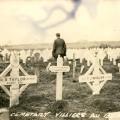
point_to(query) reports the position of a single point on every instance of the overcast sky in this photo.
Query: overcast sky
(23, 22)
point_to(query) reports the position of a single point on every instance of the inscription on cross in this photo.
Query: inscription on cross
(95, 77)
(59, 69)
(14, 80)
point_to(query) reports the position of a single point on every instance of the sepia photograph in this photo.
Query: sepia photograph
(59, 59)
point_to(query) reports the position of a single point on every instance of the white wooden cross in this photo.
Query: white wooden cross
(59, 69)
(14, 80)
(101, 55)
(114, 61)
(95, 77)
(74, 65)
(119, 67)
(87, 57)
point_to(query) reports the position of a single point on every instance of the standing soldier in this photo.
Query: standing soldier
(59, 47)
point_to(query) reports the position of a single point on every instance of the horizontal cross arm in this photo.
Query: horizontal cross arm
(20, 80)
(59, 68)
(91, 78)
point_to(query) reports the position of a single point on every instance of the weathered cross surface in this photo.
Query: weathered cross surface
(14, 80)
(59, 69)
(95, 77)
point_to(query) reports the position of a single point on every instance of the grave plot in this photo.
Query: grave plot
(78, 97)
(14, 80)
(95, 77)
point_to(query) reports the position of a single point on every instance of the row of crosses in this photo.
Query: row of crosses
(95, 77)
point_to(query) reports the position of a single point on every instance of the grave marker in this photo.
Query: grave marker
(14, 80)
(23, 55)
(37, 62)
(114, 61)
(101, 56)
(74, 65)
(59, 69)
(119, 67)
(95, 77)
(88, 62)
(14, 88)
(82, 68)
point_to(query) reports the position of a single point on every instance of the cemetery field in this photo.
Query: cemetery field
(77, 97)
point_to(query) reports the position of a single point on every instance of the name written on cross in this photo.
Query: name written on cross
(19, 80)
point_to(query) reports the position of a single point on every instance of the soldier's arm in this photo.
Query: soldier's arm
(54, 47)
(65, 47)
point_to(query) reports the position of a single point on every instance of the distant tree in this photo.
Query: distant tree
(104, 46)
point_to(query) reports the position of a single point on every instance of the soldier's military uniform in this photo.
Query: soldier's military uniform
(59, 48)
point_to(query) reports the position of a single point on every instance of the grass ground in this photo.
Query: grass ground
(77, 97)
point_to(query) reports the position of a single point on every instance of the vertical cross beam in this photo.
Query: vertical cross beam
(96, 66)
(101, 62)
(96, 84)
(119, 67)
(74, 65)
(14, 89)
(88, 62)
(59, 79)
(114, 61)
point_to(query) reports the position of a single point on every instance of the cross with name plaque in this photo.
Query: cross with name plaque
(14, 80)
(59, 69)
(95, 77)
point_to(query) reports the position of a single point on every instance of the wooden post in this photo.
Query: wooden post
(96, 66)
(82, 68)
(114, 61)
(88, 63)
(111, 59)
(81, 60)
(101, 62)
(31, 52)
(74, 65)
(59, 80)
(96, 72)
(14, 88)
(119, 67)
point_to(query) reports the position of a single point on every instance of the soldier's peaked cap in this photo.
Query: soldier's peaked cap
(57, 34)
